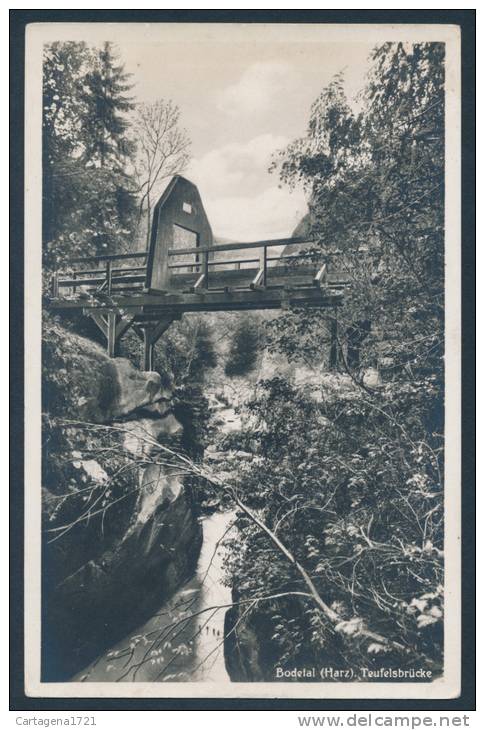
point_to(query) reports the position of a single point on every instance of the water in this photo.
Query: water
(184, 640)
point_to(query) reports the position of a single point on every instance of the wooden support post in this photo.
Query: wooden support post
(99, 320)
(321, 277)
(256, 282)
(334, 342)
(123, 326)
(112, 321)
(199, 285)
(148, 348)
(259, 281)
(263, 264)
(109, 276)
(162, 326)
(205, 269)
(113, 327)
(139, 332)
(151, 335)
(55, 284)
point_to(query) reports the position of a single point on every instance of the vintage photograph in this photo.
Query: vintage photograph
(240, 256)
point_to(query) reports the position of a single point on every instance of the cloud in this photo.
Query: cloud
(236, 167)
(274, 213)
(243, 201)
(253, 93)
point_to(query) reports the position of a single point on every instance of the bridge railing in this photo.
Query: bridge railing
(108, 276)
(263, 261)
(102, 278)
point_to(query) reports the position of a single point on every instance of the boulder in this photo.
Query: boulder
(240, 455)
(169, 426)
(159, 486)
(134, 389)
(371, 378)
(161, 407)
(215, 456)
(82, 381)
(245, 647)
(107, 576)
(120, 536)
(142, 436)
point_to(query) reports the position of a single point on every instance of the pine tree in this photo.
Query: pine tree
(63, 109)
(244, 347)
(88, 197)
(205, 355)
(105, 128)
(108, 150)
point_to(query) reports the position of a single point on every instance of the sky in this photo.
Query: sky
(242, 97)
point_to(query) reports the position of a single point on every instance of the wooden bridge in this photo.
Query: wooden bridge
(183, 271)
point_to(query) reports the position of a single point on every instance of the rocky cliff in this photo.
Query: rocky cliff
(120, 531)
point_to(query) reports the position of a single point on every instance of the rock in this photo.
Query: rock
(231, 420)
(240, 455)
(159, 486)
(214, 403)
(216, 456)
(92, 469)
(245, 660)
(160, 408)
(372, 378)
(142, 436)
(170, 426)
(80, 379)
(134, 389)
(99, 587)
(119, 537)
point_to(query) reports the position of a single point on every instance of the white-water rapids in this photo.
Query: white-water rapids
(184, 640)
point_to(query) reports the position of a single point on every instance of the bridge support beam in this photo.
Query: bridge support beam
(151, 335)
(148, 351)
(112, 317)
(113, 327)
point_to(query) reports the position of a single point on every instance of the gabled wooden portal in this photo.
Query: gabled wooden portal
(148, 290)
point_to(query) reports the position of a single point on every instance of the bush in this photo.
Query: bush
(204, 355)
(353, 484)
(244, 347)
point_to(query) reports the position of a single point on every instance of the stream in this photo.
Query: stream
(184, 640)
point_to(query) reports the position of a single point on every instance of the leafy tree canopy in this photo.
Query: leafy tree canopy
(351, 480)
(88, 196)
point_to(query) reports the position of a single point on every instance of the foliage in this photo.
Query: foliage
(88, 197)
(162, 151)
(67, 371)
(187, 351)
(358, 501)
(106, 124)
(352, 480)
(90, 491)
(244, 347)
(205, 355)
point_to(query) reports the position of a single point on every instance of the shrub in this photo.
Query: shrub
(243, 352)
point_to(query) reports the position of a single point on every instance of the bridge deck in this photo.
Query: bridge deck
(115, 291)
(201, 284)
